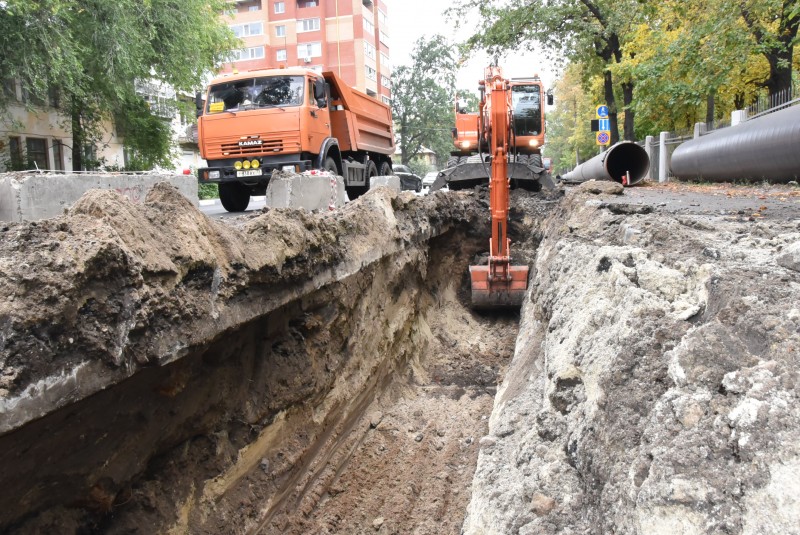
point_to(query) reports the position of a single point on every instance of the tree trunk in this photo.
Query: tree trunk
(780, 71)
(710, 109)
(627, 100)
(77, 136)
(608, 91)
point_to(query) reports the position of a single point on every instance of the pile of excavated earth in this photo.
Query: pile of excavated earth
(294, 372)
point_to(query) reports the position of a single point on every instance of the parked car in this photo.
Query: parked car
(408, 180)
(429, 179)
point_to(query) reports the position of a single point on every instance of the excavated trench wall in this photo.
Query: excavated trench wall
(154, 360)
(654, 388)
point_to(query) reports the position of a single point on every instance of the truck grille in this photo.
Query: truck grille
(276, 144)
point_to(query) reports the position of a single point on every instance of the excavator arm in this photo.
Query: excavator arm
(498, 284)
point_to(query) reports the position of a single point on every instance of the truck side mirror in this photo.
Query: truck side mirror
(549, 98)
(319, 93)
(198, 103)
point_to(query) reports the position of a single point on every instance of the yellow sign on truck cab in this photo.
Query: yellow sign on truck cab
(216, 107)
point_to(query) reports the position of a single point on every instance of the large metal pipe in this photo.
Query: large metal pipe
(625, 160)
(765, 148)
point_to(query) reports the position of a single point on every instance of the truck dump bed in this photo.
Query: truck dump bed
(359, 121)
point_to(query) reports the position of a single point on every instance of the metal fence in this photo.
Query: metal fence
(769, 103)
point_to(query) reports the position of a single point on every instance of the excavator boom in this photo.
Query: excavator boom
(498, 284)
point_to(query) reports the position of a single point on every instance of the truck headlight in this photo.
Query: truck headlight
(255, 164)
(246, 164)
(465, 144)
(237, 165)
(533, 142)
(213, 174)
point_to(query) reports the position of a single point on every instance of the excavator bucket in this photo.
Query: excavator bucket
(490, 294)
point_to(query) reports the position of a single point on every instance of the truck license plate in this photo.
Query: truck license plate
(249, 172)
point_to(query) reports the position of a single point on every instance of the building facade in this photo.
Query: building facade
(348, 37)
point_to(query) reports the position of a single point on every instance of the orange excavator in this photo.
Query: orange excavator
(498, 284)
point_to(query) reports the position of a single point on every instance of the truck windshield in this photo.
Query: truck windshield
(526, 103)
(255, 93)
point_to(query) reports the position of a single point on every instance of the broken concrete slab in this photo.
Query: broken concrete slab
(31, 196)
(318, 191)
(392, 182)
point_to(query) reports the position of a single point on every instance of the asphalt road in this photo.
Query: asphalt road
(213, 208)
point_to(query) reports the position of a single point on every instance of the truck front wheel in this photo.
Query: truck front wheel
(234, 196)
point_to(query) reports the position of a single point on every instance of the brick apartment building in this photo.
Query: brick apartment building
(348, 37)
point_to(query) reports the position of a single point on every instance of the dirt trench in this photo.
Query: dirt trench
(355, 406)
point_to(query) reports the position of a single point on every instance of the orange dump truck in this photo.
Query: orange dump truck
(295, 119)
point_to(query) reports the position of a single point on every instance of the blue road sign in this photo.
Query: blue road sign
(604, 124)
(602, 111)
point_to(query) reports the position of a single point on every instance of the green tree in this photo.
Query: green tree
(570, 140)
(589, 32)
(423, 99)
(93, 51)
(773, 25)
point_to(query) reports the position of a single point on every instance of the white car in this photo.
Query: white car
(429, 179)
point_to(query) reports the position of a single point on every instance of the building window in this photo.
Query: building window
(307, 25)
(309, 3)
(309, 50)
(371, 73)
(89, 157)
(254, 52)
(280, 55)
(37, 153)
(368, 26)
(384, 38)
(382, 18)
(244, 6)
(10, 89)
(386, 82)
(280, 7)
(367, 3)
(371, 93)
(32, 98)
(15, 156)
(58, 155)
(246, 30)
(386, 63)
(280, 30)
(369, 50)
(386, 100)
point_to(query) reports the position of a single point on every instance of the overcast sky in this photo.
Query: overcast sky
(411, 19)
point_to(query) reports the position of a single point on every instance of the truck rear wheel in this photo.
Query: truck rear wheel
(355, 192)
(330, 165)
(386, 169)
(234, 196)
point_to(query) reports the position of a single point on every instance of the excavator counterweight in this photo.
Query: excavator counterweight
(498, 284)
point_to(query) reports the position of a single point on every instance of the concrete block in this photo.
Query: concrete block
(391, 181)
(33, 196)
(320, 191)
